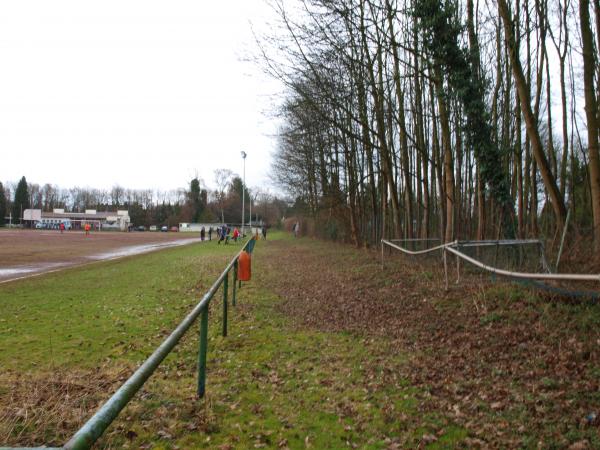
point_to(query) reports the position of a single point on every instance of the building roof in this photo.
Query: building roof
(80, 216)
(38, 214)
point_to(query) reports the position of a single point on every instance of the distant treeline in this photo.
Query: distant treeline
(147, 207)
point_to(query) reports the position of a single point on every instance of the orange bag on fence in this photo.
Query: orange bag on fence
(244, 263)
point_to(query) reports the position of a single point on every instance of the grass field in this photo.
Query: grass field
(325, 350)
(67, 340)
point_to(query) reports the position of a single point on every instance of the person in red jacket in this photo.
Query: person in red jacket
(236, 235)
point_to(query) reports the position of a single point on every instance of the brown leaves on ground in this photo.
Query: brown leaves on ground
(512, 367)
(45, 408)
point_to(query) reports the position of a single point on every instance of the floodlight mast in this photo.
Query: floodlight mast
(243, 192)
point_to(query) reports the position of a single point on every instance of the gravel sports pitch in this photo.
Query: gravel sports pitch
(26, 253)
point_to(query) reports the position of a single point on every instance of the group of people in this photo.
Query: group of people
(87, 228)
(223, 233)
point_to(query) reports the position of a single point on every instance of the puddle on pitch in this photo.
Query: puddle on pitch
(17, 272)
(24, 270)
(145, 248)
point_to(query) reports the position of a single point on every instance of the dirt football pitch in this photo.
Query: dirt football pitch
(27, 252)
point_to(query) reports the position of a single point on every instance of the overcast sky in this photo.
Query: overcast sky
(144, 94)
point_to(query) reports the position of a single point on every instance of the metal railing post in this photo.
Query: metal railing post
(457, 269)
(225, 289)
(445, 268)
(202, 352)
(234, 290)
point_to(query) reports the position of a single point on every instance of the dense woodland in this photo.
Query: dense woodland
(147, 207)
(457, 119)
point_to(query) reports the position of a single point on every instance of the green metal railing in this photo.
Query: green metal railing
(89, 433)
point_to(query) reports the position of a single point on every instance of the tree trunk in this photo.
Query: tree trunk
(447, 146)
(421, 148)
(408, 194)
(591, 113)
(558, 204)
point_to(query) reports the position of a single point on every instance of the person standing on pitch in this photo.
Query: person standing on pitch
(202, 234)
(222, 233)
(210, 233)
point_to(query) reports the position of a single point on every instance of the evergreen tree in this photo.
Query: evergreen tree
(21, 201)
(2, 205)
(237, 189)
(197, 200)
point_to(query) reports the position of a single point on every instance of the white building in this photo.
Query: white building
(196, 227)
(108, 220)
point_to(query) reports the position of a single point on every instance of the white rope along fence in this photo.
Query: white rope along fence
(455, 246)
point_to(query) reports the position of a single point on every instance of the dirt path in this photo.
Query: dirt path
(513, 367)
(29, 253)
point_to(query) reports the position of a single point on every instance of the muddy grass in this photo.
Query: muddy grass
(514, 367)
